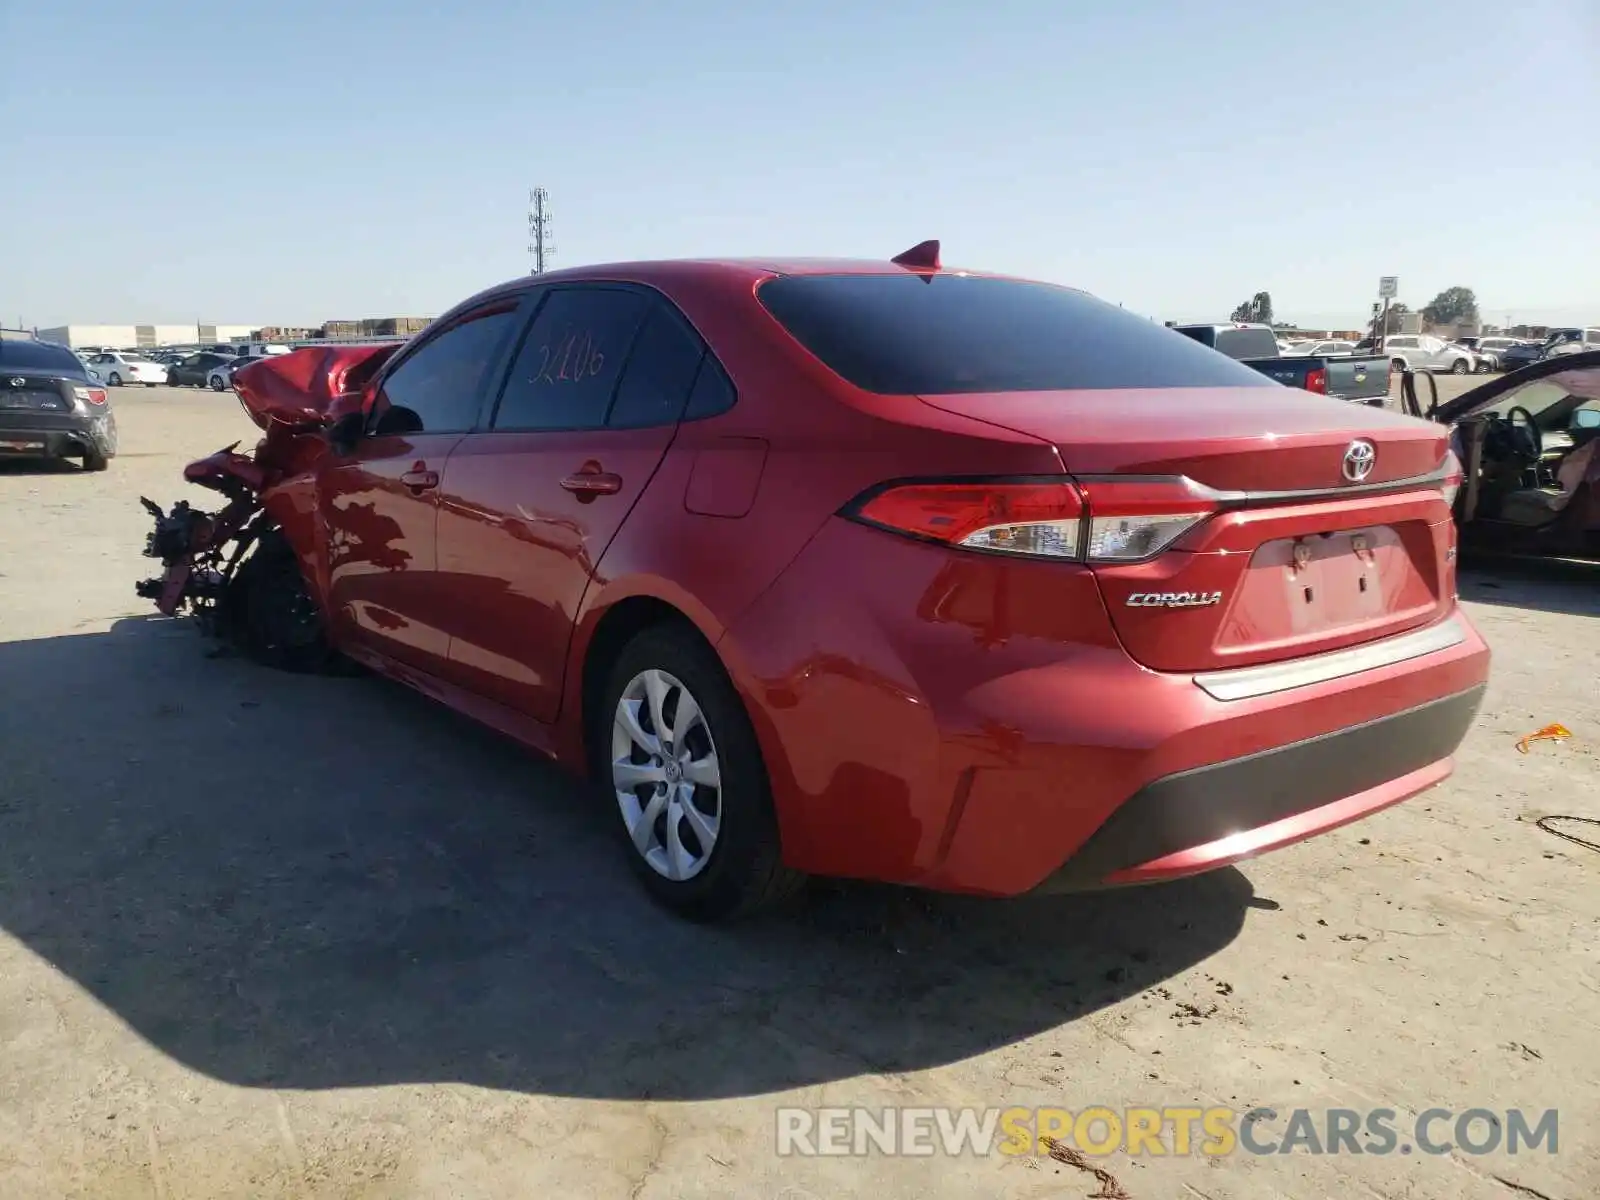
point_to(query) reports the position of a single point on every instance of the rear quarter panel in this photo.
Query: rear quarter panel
(824, 443)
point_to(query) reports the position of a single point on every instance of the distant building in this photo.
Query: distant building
(283, 333)
(140, 337)
(375, 327)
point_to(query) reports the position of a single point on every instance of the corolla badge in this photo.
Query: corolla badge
(1173, 599)
(1359, 459)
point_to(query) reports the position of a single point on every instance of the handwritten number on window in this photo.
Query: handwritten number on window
(571, 359)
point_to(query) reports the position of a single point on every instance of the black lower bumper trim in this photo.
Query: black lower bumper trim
(62, 438)
(1203, 805)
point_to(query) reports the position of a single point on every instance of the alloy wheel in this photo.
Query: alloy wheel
(665, 774)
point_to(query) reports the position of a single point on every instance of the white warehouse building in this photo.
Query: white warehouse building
(127, 337)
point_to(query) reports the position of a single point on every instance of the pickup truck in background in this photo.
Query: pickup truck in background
(1363, 378)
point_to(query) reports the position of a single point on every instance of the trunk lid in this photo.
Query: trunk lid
(35, 392)
(1294, 557)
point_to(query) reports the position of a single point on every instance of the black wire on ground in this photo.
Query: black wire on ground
(1543, 823)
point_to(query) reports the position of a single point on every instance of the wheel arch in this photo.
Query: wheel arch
(609, 621)
(618, 614)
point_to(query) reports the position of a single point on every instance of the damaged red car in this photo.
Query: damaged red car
(853, 568)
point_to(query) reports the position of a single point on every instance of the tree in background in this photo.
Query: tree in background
(1453, 306)
(1257, 309)
(1396, 311)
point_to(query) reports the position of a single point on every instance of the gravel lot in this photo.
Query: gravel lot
(271, 936)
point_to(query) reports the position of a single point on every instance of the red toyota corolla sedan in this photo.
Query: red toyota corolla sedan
(885, 570)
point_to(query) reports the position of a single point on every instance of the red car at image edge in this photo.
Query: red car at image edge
(878, 569)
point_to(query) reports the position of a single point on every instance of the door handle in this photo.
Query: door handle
(420, 481)
(593, 483)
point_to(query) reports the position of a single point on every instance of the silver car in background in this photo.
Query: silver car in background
(1424, 352)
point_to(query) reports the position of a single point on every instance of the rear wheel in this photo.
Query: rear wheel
(94, 460)
(1460, 367)
(674, 749)
(216, 383)
(115, 380)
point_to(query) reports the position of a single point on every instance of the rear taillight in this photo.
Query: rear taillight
(89, 395)
(1453, 477)
(1095, 520)
(1013, 517)
(1135, 519)
(1317, 380)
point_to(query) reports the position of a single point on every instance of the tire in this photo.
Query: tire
(1460, 367)
(216, 383)
(150, 385)
(742, 870)
(270, 613)
(94, 460)
(1397, 364)
(114, 380)
(172, 379)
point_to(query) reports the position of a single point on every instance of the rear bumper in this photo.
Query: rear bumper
(35, 434)
(972, 724)
(1225, 812)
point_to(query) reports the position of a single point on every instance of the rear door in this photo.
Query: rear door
(589, 406)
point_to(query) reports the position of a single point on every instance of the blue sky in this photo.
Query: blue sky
(174, 161)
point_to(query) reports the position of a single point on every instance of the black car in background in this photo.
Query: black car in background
(50, 408)
(192, 371)
(1517, 357)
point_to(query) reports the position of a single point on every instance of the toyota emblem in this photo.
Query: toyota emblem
(18, 381)
(1359, 460)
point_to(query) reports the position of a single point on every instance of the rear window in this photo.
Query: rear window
(912, 334)
(1247, 343)
(39, 356)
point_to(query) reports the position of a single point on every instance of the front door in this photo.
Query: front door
(381, 502)
(528, 507)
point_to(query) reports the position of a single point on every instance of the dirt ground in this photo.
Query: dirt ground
(268, 936)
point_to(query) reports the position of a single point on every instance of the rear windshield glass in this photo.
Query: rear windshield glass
(912, 334)
(26, 355)
(1247, 343)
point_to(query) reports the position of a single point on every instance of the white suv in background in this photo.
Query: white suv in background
(117, 368)
(1424, 352)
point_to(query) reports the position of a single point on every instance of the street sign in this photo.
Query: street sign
(1388, 287)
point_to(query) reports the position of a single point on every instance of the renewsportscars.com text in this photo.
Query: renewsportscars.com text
(1174, 1130)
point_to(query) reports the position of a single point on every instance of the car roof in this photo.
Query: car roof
(731, 273)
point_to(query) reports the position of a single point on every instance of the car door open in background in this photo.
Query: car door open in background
(380, 501)
(588, 409)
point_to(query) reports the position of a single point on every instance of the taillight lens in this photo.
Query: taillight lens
(1317, 380)
(1135, 519)
(1097, 520)
(1453, 478)
(1041, 519)
(90, 395)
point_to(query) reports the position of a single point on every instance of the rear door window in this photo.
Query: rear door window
(566, 372)
(948, 334)
(659, 373)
